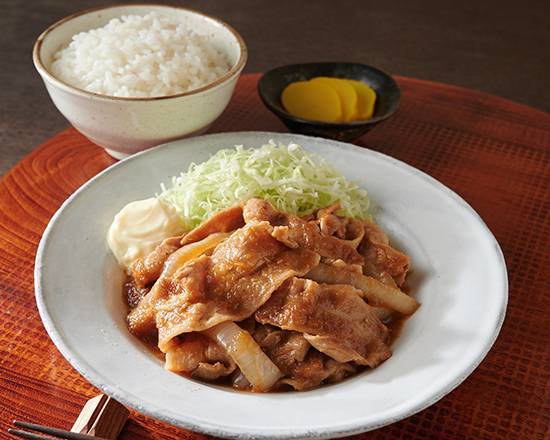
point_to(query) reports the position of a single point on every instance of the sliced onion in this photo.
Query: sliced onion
(259, 370)
(191, 251)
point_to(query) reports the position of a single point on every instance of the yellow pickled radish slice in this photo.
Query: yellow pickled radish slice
(346, 93)
(366, 98)
(309, 100)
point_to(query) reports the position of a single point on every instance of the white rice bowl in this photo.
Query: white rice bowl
(140, 56)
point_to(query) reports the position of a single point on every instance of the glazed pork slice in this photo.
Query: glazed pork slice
(141, 319)
(285, 348)
(295, 232)
(133, 293)
(302, 365)
(198, 356)
(333, 318)
(316, 369)
(226, 220)
(381, 258)
(348, 229)
(230, 285)
(146, 270)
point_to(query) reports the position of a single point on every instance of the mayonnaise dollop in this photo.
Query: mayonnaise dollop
(139, 227)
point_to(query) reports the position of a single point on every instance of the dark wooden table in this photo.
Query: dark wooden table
(497, 46)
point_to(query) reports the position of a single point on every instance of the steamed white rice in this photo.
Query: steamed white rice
(140, 56)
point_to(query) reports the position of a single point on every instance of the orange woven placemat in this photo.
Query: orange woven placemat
(494, 153)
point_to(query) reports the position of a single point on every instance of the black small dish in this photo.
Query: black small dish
(272, 84)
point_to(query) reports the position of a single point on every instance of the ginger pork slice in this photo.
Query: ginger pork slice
(226, 220)
(303, 366)
(295, 232)
(333, 318)
(380, 257)
(198, 356)
(147, 269)
(231, 284)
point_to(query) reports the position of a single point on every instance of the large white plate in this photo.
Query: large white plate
(459, 277)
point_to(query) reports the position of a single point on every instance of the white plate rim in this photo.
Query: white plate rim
(94, 377)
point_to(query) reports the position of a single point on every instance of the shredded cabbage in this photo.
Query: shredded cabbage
(286, 176)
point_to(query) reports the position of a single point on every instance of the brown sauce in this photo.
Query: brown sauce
(395, 326)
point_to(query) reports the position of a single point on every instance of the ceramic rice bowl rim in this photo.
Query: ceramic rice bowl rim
(231, 73)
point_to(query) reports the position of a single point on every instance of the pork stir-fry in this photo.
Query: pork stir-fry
(265, 300)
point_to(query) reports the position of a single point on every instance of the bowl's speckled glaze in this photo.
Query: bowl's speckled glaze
(124, 126)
